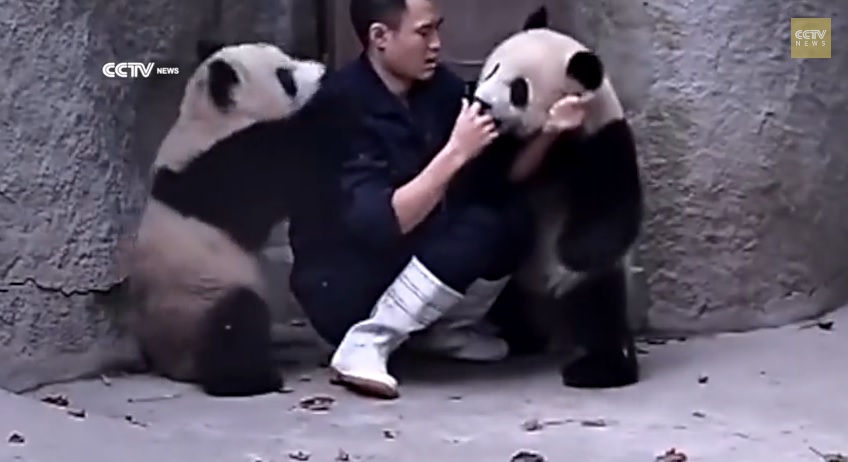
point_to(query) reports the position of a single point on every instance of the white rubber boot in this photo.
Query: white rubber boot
(415, 299)
(462, 333)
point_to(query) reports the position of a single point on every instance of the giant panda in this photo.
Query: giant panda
(587, 200)
(244, 144)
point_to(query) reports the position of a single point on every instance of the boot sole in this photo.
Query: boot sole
(364, 387)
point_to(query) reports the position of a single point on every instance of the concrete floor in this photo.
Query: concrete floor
(765, 396)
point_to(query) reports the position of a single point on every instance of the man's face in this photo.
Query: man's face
(411, 51)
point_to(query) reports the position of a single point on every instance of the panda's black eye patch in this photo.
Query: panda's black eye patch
(519, 92)
(286, 78)
(221, 80)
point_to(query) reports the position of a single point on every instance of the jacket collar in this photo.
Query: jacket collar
(378, 96)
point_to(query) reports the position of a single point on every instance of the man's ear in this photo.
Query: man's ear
(377, 34)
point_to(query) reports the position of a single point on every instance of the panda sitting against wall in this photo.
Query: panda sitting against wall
(587, 198)
(246, 142)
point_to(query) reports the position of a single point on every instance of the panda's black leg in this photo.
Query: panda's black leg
(597, 318)
(235, 352)
(509, 317)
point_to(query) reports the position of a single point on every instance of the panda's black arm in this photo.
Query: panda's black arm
(604, 196)
(486, 178)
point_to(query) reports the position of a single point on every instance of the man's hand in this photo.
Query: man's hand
(472, 132)
(566, 114)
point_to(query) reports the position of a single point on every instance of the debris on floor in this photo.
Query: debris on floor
(532, 425)
(830, 457)
(672, 455)
(300, 455)
(527, 456)
(132, 421)
(594, 423)
(78, 413)
(153, 399)
(823, 325)
(317, 403)
(56, 400)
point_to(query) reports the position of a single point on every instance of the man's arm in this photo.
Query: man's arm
(415, 200)
(375, 210)
(380, 213)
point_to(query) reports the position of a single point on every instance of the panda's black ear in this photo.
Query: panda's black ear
(537, 19)
(205, 48)
(221, 79)
(586, 68)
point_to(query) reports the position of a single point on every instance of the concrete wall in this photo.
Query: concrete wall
(744, 151)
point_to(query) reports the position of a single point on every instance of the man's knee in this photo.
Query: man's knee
(473, 243)
(335, 302)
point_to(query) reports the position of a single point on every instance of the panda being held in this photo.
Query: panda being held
(244, 145)
(587, 200)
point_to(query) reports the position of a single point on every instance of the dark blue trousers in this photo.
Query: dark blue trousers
(458, 245)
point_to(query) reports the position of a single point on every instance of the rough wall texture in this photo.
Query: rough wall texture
(75, 147)
(745, 154)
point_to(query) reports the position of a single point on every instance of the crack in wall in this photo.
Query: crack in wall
(32, 282)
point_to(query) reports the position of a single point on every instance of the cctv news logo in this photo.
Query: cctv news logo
(135, 70)
(811, 38)
(810, 34)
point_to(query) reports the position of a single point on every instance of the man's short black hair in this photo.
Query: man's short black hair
(364, 13)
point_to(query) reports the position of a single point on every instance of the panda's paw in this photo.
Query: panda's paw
(609, 369)
(269, 381)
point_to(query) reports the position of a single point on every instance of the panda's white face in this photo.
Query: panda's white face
(524, 76)
(257, 82)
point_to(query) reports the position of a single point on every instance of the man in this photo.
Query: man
(407, 249)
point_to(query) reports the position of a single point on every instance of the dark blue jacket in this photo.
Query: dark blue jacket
(358, 234)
